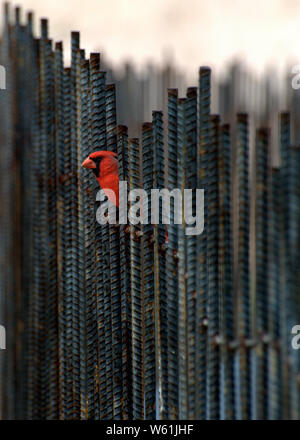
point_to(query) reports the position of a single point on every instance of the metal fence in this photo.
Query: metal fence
(117, 322)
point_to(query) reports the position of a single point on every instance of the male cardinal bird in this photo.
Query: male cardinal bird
(105, 167)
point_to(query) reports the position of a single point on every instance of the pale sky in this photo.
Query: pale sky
(196, 32)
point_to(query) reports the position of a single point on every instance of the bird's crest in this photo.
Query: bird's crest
(102, 154)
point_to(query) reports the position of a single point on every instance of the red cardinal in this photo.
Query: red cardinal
(105, 167)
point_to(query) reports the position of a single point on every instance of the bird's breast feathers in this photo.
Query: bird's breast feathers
(110, 182)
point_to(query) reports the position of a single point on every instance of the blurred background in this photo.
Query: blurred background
(193, 32)
(158, 44)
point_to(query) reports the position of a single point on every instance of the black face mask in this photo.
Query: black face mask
(97, 161)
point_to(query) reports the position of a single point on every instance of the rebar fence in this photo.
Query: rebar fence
(140, 321)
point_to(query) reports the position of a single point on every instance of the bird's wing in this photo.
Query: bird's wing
(110, 182)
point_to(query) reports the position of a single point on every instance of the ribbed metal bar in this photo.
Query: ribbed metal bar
(125, 280)
(74, 268)
(111, 118)
(275, 300)
(51, 328)
(116, 321)
(67, 246)
(136, 290)
(60, 159)
(242, 297)
(261, 249)
(172, 262)
(14, 257)
(32, 328)
(19, 295)
(160, 270)
(7, 155)
(98, 142)
(114, 238)
(41, 397)
(106, 398)
(85, 229)
(294, 217)
(201, 300)
(191, 244)
(182, 306)
(225, 283)
(285, 146)
(51, 358)
(81, 135)
(148, 284)
(160, 237)
(25, 88)
(213, 315)
(93, 321)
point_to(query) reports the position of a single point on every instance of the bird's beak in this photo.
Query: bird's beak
(88, 163)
